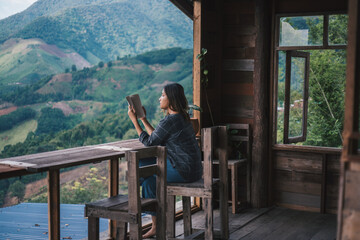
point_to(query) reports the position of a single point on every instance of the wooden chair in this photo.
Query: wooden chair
(214, 139)
(240, 135)
(127, 209)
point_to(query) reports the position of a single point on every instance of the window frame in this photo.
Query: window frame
(277, 49)
(289, 56)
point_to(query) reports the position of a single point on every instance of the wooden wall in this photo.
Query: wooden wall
(306, 179)
(239, 34)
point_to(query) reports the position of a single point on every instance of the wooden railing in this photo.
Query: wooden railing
(52, 162)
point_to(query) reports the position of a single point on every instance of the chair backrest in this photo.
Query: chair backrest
(214, 139)
(134, 174)
(240, 136)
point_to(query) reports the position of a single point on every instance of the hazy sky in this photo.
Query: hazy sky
(10, 7)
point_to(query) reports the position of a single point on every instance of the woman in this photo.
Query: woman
(176, 133)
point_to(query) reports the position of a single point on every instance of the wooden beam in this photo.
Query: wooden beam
(196, 62)
(185, 7)
(54, 204)
(260, 156)
(348, 215)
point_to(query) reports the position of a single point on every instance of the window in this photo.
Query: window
(310, 56)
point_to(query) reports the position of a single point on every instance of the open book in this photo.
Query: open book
(134, 101)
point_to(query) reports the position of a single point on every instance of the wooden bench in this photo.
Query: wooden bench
(127, 209)
(238, 134)
(203, 188)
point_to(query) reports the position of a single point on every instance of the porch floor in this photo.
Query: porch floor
(275, 223)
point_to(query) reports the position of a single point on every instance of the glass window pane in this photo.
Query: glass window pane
(281, 96)
(301, 31)
(338, 29)
(297, 80)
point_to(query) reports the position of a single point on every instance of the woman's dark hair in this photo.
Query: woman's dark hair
(177, 100)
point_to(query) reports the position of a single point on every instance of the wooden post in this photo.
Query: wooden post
(260, 157)
(113, 190)
(349, 207)
(54, 204)
(196, 62)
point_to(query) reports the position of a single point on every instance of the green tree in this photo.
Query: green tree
(17, 189)
(73, 68)
(101, 64)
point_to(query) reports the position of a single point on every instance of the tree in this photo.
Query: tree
(17, 189)
(73, 68)
(101, 64)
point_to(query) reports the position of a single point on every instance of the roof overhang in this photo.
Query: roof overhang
(186, 6)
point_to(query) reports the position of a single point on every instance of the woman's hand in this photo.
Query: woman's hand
(144, 113)
(132, 114)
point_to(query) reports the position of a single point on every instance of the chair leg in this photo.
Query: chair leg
(209, 219)
(93, 228)
(135, 230)
(234, 189)
(187, 216)
(170, 219)
(121, 230)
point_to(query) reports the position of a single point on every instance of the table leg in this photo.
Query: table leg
(54, 204)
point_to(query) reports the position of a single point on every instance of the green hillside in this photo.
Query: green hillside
(109, 83)
(27, 61)
(17, 134)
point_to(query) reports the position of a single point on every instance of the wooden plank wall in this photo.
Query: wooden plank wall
(211, 39)
(306, 180)
(238, 61)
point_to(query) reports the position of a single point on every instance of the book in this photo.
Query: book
(134, 101)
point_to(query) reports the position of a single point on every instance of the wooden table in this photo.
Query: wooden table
(53, 161)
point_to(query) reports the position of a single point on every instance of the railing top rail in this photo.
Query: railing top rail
(68, 157)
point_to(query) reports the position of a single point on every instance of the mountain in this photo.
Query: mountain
(100, 29)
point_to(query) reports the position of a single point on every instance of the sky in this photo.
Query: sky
(10, 7)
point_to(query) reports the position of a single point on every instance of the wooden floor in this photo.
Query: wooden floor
(273, 223)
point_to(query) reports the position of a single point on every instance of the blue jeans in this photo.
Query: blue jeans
(149, 184)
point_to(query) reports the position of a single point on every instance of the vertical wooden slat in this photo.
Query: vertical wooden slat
(234, 187)
(223, 189)
(54, 204)
(134, 193)
(113, 190)
(260, 168)
(161, 194)
(196, 62)
(208, 135)
(326, 31)
(208, 155)
(170, 221)
(323, 183)
(209, 219)
(187, 215)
